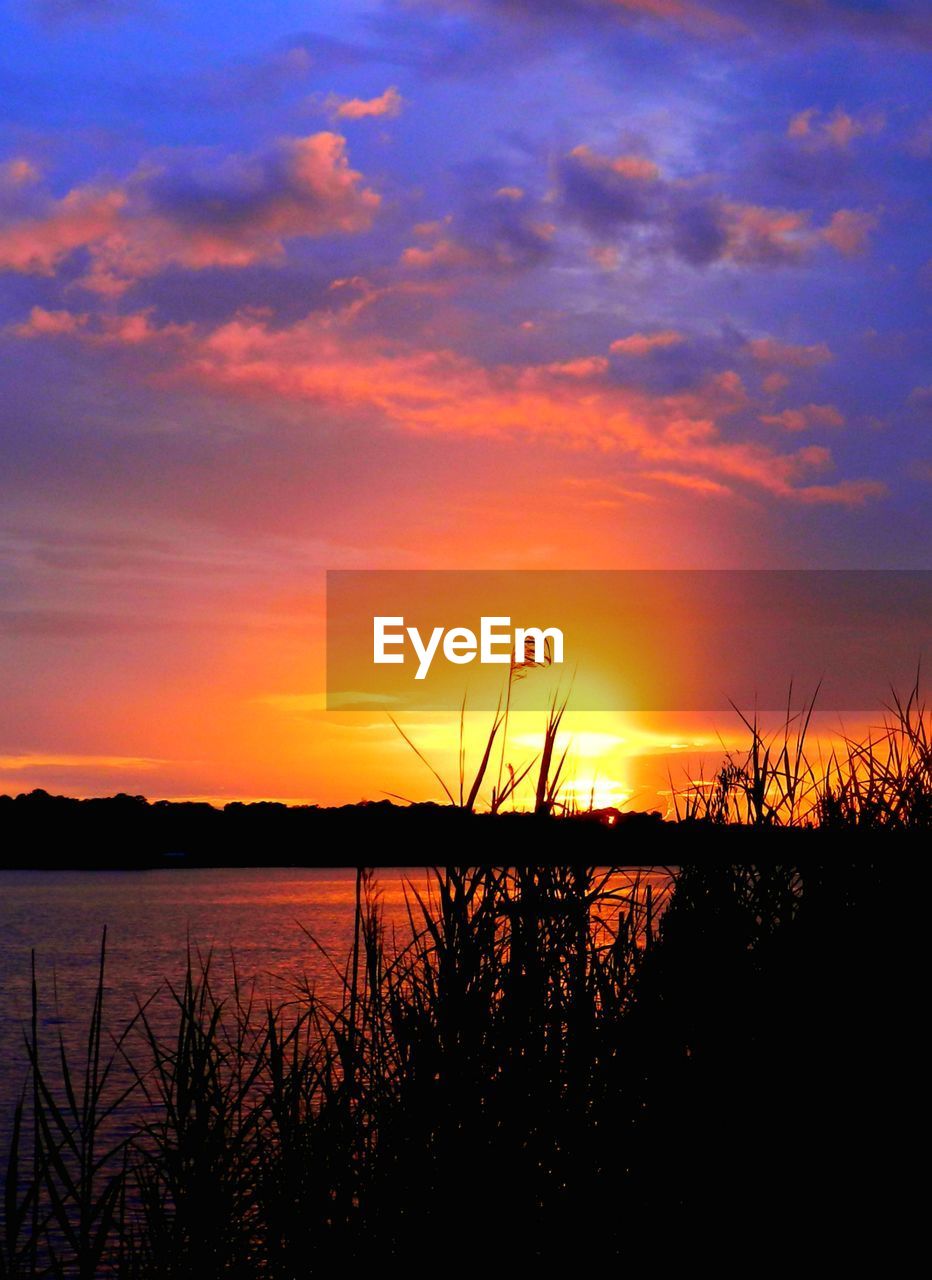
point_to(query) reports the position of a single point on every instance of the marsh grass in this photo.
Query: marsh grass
(549, 772)
(583, 1055)
(880, 782)
(268, 1138)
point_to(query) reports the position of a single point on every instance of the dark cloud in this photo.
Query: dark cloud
(302, 179)
(508, 229)
(908, 21)
(696, 231)
(609, 195)
(603, 197)
(626, 196)
(503, 232)
(905, 21)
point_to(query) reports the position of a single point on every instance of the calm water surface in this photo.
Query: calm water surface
(258, 915)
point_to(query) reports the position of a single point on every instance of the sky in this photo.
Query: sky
(290, 287)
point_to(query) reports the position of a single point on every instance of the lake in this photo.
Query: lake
(258, 915)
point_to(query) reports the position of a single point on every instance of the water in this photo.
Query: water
(255, 914)
(258, 915)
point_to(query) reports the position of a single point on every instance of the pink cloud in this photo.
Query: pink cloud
(584, 367)
(641, 344)
(18, 172)
(444, 254)
(242, 211)
(692, 483)
(49, 324)
(790, 355)
(129, 329)
(837, 131)
(845, 493)
(326, 359)
(628, 196)
(694, 16)
(605, 256)
(37, 244)
(634, 168)
(437, 391)
(810, 415)
(755, 233)
(848, 231)
(388, 104)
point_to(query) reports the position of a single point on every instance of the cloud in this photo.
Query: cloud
(45, 760)
(758, 235)
(632, 168)
(641, 344)
(83, 218)
(387, 104)
(628, 197)
(501, 233)
(129, 329)
(895, 21)
(846, 493)
(848, 231)
(685, 13)
(18, 172)
(602, 195)
(810, 415)
(194, 211)
(688, 15)
(324, 360)
(50, 324)
(582, 368)
(692, 483)
(837, 131)
(789, 355)
(442, 255)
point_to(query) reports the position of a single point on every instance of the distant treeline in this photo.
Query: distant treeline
(125, 831)
(39, 830)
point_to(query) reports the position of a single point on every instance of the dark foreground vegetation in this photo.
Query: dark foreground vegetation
(556, 1064)
(552, 1066)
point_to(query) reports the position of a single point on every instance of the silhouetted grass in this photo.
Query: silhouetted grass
(577, 1055)
(550, 1062)
(883, 782)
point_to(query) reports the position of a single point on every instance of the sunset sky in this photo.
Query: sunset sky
(294, 286)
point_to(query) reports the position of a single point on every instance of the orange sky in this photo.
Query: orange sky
(301, 287)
